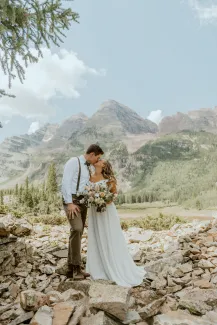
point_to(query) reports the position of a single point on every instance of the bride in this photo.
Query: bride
(107, 253)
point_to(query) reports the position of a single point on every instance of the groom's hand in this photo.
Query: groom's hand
(72, 210)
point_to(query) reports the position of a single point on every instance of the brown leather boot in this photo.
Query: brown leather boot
(79, 273)
(70, 273)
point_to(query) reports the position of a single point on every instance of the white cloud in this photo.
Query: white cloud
(33, 127)
(206, 11)
(56, 75)
(155, 116)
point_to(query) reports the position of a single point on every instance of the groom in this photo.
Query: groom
(75, 177)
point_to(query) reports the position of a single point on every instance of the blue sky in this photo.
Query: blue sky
(148, 54)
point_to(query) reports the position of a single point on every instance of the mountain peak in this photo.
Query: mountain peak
(113, 116)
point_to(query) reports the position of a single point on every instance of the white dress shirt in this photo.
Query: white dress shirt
(70, 178)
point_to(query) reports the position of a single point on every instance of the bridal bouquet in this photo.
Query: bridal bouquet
(99, 195)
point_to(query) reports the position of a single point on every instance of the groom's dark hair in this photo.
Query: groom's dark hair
(95, 148)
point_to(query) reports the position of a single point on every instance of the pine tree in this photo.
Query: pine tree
(139, 199)
(52, 179)
(27, 184)
(24, 23)
(16, 190)
(1, 198)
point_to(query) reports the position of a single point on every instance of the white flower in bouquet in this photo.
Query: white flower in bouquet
(91, 200)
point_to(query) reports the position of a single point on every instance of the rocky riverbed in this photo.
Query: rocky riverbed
(180, 287)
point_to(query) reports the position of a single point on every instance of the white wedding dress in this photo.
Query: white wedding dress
(108, 257)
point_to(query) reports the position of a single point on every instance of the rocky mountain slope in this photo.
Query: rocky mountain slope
(197, 120)
(179, 288)
(31, 154)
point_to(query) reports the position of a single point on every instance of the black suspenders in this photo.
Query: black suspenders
(79, 175)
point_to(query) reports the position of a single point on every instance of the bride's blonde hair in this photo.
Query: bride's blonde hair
(107, 171)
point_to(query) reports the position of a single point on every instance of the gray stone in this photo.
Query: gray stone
(83, 286)
(159, 265)
(132, 317)
(205, 264)
(99, 319)
(72, 294)
(79, 312)
(159, 284)
(151, 309)
(199, 301)
(43, 316)
(195, 307)
(22, 318)
(61, 254)
(62, 313)
(32, 300)
(110, 298)
(179, 318)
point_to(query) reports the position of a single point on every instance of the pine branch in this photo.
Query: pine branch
(25, 24)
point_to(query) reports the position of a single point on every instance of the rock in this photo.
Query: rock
(151, 309)
(83, 286)
(99, 319)
(22, 318)
(79, 312)
(5, 308)
(170, 304)
(174, 289)
(136, 238)
(132, 317)
(63, 253)
(54, 297)
(72, 294)
(170, 282)
(3, 288)
(197, 273)
(17, 227)
(21, 228)
(159, 265)
(14, 290)
(137, 255)
(184, 280)
(205, 264)
(210, 316)
(203, 284)
(62, 312)
(11, 314)
(47, 269)
(148, 296)
(111, 299)
(179, 318)
(33, 300)
(8, 239)
(4, 227)
(195, 307)
(186, 268)
(159, 283)
(199, 301)
(43, 316)
(176, 272)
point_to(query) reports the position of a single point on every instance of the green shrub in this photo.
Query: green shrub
(160, 222)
